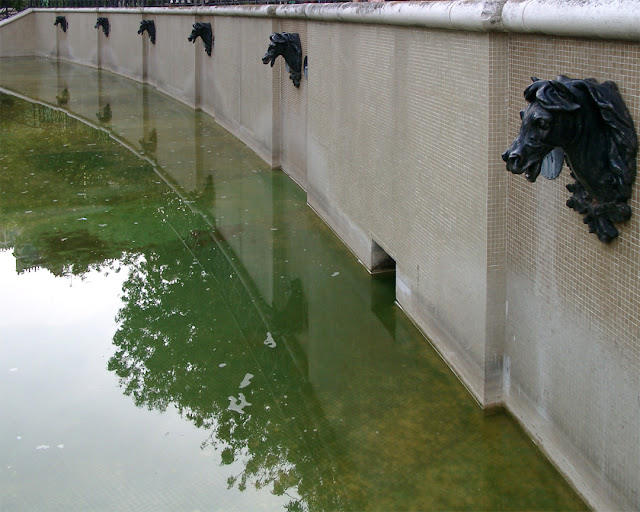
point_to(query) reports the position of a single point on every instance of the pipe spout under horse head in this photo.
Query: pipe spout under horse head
(588, 123)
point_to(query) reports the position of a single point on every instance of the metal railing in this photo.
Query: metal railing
(10, 7)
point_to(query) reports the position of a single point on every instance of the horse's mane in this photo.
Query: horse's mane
(567, 94)
(623, 141)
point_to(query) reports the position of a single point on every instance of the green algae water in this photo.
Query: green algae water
(179, 331)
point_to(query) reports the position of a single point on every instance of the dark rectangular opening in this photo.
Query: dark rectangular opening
(380, 260)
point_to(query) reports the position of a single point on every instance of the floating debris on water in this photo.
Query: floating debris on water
(270, 342)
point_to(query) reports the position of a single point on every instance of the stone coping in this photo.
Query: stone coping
(603, 19)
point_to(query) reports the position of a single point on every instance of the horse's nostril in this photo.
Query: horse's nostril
(513, 159)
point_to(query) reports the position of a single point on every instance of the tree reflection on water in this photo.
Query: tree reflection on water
(182, 342)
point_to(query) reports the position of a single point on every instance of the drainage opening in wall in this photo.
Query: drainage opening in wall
(380, 260)
(383, 287)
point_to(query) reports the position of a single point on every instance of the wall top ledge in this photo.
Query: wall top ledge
(605, 19)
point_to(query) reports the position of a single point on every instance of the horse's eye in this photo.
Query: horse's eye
(543, 124)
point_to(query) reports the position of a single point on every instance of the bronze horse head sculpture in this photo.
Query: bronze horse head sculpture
(588, 125)
(62, 21)
(150, 27)
(104, 23)
(203, 30)
(289, 46)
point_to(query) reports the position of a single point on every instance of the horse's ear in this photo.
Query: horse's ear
(534, 79)
(532, 89)
(559, 97)
(277, 38)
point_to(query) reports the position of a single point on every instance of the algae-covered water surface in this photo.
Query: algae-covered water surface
(179, 331)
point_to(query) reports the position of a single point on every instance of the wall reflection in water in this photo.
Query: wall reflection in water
(242, 310)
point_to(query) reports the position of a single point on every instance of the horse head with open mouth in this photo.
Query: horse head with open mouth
(589, 125)
(202, 30)
(289, 46)
(104, 23)
(62, 21)
(150, 27)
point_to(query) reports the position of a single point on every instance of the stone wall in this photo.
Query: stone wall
(396, 136)
(398, 155)
(573, 323)
(17, 35)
